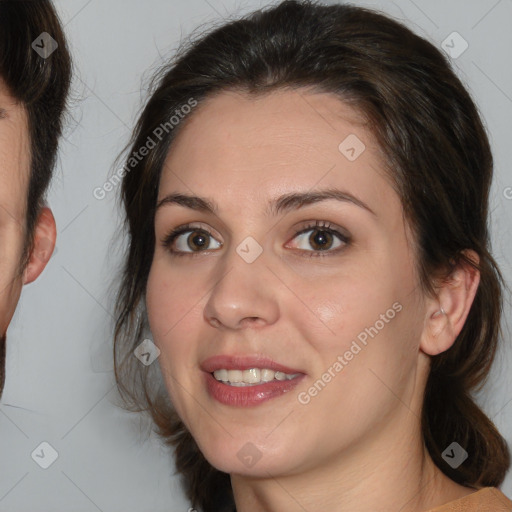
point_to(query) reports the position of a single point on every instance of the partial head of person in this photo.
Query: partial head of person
(35, 69)
(306, 201)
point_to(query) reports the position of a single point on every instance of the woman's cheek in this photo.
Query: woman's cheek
(164, 297)
(329, 312)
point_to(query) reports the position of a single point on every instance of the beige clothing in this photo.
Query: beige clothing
(486, 499)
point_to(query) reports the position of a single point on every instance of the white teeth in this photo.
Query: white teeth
(235, 376)
(221, 374)
(267, 375)
(251, 376)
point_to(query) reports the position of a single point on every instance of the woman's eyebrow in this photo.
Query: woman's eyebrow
(283, 203)
(3, 113)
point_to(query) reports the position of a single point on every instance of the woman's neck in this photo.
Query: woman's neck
(387, 472)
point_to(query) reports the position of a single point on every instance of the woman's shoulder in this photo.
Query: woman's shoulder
(486, 499)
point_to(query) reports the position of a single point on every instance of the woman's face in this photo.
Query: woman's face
(339, 303)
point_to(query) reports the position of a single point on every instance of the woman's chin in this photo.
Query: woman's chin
(247, 459)
(260, 469)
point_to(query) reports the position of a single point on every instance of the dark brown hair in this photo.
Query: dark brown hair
(41, 86)
(437, 156)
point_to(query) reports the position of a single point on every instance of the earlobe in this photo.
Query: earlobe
(447, 314)
(45, 234)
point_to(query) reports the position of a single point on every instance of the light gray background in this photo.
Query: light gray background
(60, 385)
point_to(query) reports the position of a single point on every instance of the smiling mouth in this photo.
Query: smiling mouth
(251, 376)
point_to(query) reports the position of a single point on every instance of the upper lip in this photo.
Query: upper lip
(243, 362)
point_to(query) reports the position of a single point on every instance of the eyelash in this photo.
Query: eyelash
(169, 239)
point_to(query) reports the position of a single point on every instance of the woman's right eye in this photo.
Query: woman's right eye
(197, 238)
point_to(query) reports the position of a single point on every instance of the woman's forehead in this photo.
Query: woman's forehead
(283, 133)
(238, 151)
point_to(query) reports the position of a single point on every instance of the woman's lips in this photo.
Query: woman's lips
(254, 394)
(243, 362)
(248, 396)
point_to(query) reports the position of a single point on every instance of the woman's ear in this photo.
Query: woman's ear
(45, 234)
(446, 314)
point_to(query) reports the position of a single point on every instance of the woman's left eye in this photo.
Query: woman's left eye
(322, 239)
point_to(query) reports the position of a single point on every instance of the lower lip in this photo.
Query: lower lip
(247, 396)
